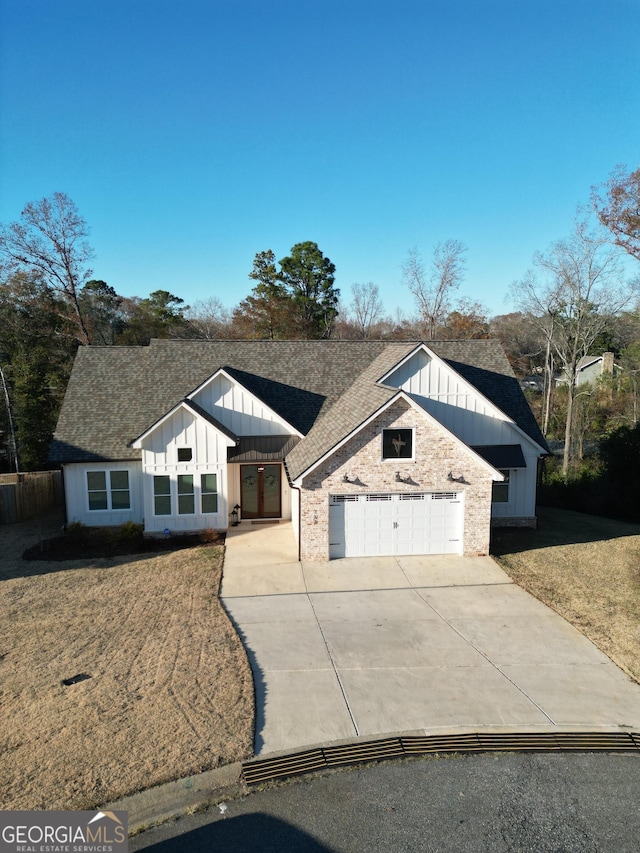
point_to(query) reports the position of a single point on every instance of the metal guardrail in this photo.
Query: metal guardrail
(271, 769)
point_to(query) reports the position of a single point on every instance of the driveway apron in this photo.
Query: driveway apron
(372, 646)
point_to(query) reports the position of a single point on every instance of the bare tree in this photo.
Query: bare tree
(579, 289)
(50, 240)
(521, 341)
(540, 304)
(209, 319)
(433, 289)
(366, 307)
(617, 205)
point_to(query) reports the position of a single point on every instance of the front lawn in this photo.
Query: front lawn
(165, 688)
(587, 568)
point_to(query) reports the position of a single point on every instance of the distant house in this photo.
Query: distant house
(368, 447)
(591, 368)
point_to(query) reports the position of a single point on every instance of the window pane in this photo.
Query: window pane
(186, 504)
(209, 483)
(271, 492)
(98, 500)
(97, 488)
(500, 491)
(397, 444)
(119, 480)
(162, 505)
(185, 484)
(209, 502)
(185, 454)
(162, 495)
(208, 490)
(120, 490)
(120, 500)
(161, 485)
(96, 481)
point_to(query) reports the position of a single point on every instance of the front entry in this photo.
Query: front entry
(260, 491)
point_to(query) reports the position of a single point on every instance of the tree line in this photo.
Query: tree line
(575, 301)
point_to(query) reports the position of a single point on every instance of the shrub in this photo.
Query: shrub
(129, 532)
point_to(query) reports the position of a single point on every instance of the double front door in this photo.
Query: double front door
(260, 491)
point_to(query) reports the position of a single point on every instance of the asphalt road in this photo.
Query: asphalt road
(479, 803)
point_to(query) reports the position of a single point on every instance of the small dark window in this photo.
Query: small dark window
(500, 490)
(185, 454)
(397, 444)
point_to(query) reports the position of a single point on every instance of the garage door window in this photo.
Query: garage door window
(397, 444)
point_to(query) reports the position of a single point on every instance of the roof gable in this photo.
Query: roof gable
(241, 410)
(392, 399)
(196, 412)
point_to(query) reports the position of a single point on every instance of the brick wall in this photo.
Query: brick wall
(436, 454)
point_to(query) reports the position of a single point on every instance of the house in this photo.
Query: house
(590, 368)
(369, 447)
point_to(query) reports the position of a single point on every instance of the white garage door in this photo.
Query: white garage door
(387, 524)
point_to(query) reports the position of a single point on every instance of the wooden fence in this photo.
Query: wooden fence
(24, 495)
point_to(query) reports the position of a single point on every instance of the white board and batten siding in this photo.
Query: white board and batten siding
(452, 401)
(77, 494)
(182, 430)
(473, 419)
(237, 409)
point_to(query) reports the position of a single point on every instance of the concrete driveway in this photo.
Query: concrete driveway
(397, 644)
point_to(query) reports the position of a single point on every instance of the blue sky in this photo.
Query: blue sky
(194, 134)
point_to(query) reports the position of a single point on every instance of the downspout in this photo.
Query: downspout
(299, 491)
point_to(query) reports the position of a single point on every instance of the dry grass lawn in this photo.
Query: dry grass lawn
(587, 569)
(170, 692)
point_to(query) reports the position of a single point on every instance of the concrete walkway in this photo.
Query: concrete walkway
(394, 644)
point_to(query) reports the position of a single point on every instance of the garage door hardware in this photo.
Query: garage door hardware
(307, 761)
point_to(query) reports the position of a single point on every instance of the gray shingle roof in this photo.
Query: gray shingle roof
(361, 400)
(116, 393)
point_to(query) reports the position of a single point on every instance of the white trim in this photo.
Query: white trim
(396, 459)
(183, 404)
(404, 360)
(400, 395)
(222, 372)
(108, 489)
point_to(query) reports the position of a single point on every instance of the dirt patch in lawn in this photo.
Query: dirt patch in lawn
(587, 569)
(169, 691)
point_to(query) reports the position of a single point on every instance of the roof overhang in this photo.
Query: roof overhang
(502, 456)
(262, 448)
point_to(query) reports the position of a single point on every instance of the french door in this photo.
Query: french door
(260, 491)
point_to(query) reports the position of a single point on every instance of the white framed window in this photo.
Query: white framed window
(500, 491)
(397, 444)
(185, 494)
(209, 493)
(162, 494)
(185, 454)
(108, 490)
